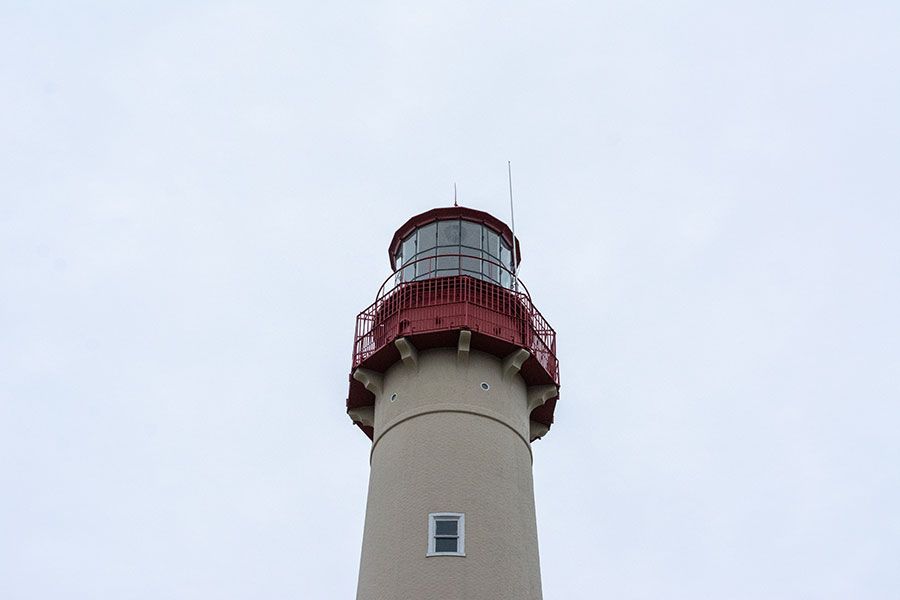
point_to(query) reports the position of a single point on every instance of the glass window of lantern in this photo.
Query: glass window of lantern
(406, 254)
(448, 246)
(409, 272)
(455, 247)
(427, 237)
(471, 266)
(425, 264)
(506, 261)
(490, 269)
(492, 255)
(448, 265)
(505, 279)
(491, 243)
(448, 233)
(470, 234)
(409, 248)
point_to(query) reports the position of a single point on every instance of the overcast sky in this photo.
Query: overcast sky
(196, 200)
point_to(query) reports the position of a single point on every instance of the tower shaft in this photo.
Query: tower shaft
(451, 436)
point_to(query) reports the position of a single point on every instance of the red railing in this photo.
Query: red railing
(455, 302)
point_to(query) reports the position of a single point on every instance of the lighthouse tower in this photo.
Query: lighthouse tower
(454, 376)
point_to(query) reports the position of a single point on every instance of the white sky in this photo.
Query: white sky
(196, 199)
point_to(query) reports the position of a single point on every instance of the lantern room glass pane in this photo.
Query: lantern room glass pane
(427, 237)
(447, 265)
(448, 262)
(471, 266)
(424, 264)
(409, 273)
(470, 234)
(491, 243)
(448, 233)
(409, 247)
(490, 269)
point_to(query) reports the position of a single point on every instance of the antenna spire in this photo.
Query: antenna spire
(512, 217)
(454, 194)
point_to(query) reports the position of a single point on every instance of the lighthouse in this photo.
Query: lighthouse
(454, 377)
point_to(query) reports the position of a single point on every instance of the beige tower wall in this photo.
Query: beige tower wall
(447, 445)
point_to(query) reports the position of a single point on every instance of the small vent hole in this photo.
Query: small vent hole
(393, 397)
(485, 386)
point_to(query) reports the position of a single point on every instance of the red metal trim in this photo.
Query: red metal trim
(451, 212)
(454, 303)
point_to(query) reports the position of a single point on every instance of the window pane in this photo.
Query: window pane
(448, 233)
(427, 237)
(448, 262)
(473, 265)
(505, 257)
(445, 527)
(409, 247)
(491, 270)
(471, 234)
(491, 243)
(425, 265)
(445, 544)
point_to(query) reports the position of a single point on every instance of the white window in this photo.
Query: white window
(446, 534)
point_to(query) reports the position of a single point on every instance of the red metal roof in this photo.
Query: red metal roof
(451, 212)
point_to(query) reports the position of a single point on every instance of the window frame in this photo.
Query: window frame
(460, 519)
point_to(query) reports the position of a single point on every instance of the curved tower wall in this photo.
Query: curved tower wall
(445, 444)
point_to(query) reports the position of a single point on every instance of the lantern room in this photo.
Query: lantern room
(454, 284)
(454, 241)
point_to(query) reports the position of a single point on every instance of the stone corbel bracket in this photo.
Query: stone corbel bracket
(512, 364)
(374, 382)
(537, 430)
(371, 380)
(537, 396)
(464, 346)
(364, 415)
(408, 353)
